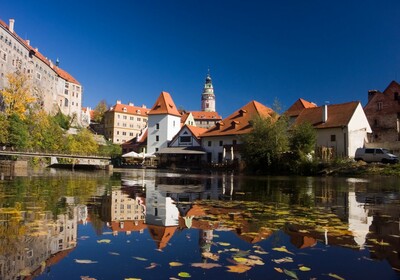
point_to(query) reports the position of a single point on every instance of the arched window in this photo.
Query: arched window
(66, 102)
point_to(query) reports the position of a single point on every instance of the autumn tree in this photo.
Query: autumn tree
(17, 96)
(99, 110)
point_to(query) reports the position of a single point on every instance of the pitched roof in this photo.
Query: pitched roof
(62, 73)
(184, 117)
(202, 115)
(164, 105)
(129, 109)
(299, 106)
(161, 234)
(196, 131)
(392, 86)
(338, 115)
(239, 121)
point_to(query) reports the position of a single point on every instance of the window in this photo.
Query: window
(124, 133)
(157, 138)
(185, 139)
(396, 96)
(234, 142)
(369, 151)
(221, 143)
(380, 105)
(38, 76)
(158, 126)
(209, 144)
(139, 119)
(66, 102)
(333, 138)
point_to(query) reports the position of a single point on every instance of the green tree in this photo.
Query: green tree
(264, 146)
(18, 132)
(4, 124)
(99, 110)
(303, 138)
(110, 149)
(82, 143)
(62, 120)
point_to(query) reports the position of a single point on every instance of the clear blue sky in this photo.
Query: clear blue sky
(256, 50)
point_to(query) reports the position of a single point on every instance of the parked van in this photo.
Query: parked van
(375, 155)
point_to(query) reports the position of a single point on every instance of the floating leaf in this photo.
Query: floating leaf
(240, 268)
(282, 249)
(114, 253)
(152, 265)
(206, 265)
(210, 256)
(290, 273)
(184, 275)
(283, 260)
(240, 260)
(132, 279)
(335, 276)
(260, 252)
(85, 261)
(140, 258)
(278, 269)
(104, 241)
(175, 264)
(224, 244)
(304, 268)
(87, 278)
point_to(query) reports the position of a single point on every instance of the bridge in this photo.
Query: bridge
(93, 160)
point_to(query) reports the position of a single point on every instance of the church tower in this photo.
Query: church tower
(208, 97)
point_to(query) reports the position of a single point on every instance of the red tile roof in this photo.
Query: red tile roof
(338, 115)
(164, 106)
(62, 73)
(161, 234)
(201, 115)
(299, 106)
(196, 131)
(129, 109)
(184, 117)
(239, 121)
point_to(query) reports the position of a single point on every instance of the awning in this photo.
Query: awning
(182, 151)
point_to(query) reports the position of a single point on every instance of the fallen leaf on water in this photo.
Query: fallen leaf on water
(104, 241)
(210, 256)
(278, 269)
(282, 249)
(114, 253)
(152, 265)
(107, 233)
(140, 258)
(87, 278)
(283, 260)
(206, 265)
(132, 279)
(223, 243)
(290, 273)
(175, 264)
(184, 275)
(333, 275)
(239, 268)
(260, 252)
(85, 261)
(304, 268)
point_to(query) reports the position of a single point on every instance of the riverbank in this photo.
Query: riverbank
(360, 168)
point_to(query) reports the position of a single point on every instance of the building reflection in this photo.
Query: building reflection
(32, 239)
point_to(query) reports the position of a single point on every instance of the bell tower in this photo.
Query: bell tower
(208, 97)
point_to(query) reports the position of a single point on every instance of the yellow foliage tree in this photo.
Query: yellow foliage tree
(17, 96)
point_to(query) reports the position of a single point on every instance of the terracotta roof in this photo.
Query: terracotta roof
(196, 131)
(184, 117)
(201, 115)
(62, 73)
(239, 121)
(164, 106)
(393, 84)
(129, 109)
(161, 234)
(338, 115)
(299, 106)
(129, 225)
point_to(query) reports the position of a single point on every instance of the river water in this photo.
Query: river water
(150, 224)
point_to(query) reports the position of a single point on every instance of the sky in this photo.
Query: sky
(131, 50)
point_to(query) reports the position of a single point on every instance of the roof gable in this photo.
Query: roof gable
(299, 106)
(129, 109)
(338, 115)
(239, 121)
(164, 105)
(202, 115)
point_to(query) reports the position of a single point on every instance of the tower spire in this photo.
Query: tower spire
(208, 97)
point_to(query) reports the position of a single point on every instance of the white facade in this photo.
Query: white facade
(185, 138)
(161, 129)
(220, 149)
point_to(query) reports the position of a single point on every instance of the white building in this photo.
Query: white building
(164, 122)
(53, 87)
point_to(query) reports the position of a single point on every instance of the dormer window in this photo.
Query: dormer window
(124, 109)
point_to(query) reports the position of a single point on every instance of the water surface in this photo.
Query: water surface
(148, 224)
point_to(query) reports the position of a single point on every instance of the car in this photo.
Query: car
(375, 155)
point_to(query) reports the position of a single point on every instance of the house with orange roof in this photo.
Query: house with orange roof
(341, 127)
(222, 141)
(123, 122)
(184, 150)
(54, 88)
(206, 119)
(164, 122)
(383, 114)
(294, 111)
(187, 118)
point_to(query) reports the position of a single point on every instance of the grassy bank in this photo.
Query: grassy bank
(351, 168)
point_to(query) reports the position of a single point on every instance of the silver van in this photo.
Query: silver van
(375, 155)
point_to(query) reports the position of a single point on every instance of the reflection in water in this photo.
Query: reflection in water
(40, 218)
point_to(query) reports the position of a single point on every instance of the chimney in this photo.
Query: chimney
(28, 42)
(130, 104)
(372, 93)
(118, 101)
(11, 25)
(324, 113)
